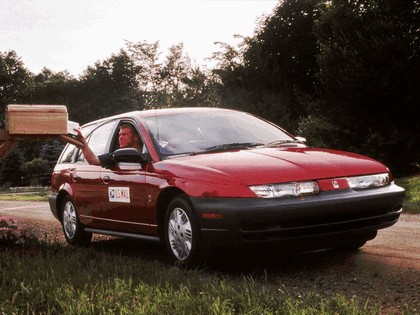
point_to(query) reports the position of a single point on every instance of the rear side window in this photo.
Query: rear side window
(100, 138)
(67, 155)
(69, 151)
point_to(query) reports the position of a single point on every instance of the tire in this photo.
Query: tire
(357, 242)
(73, 229)
(352, 245)
(182, 235)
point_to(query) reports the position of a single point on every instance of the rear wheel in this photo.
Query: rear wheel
(181, 233)
(73, 229)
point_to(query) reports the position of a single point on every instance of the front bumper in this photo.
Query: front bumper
(327, 219)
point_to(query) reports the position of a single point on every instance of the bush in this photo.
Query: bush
(412, 190)
(13, 234)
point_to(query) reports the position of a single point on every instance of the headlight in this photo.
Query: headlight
(368, 181)
(285, 190)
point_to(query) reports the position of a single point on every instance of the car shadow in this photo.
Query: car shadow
(232, 261)
(148, 250)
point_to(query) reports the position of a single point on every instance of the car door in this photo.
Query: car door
(123, 198)
(124, 201)
(85, 178)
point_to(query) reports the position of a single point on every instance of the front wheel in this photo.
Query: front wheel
(357, 241)
(73, 229)
(181, 233)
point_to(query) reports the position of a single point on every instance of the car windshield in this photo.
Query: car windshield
(202, 132)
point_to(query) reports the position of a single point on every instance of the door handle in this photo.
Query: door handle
(106, 179)
(74, 177)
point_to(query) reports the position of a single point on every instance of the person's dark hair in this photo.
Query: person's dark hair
(129, 126)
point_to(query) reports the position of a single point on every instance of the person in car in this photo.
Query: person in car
(127, 138)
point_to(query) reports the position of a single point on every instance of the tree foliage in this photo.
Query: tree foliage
(277, 61)
(15, 81)
(134, 79)
(344, 74)
(50, 152)
(10, 169)
(107, 88)
(35, 168)
(369, 78)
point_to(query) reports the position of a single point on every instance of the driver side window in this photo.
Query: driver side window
(134, 132)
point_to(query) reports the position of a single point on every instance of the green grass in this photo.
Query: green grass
(412, 189)
(39, 196)
(54, 279)
(25, 194)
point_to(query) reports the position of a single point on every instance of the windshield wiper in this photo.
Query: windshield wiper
(230, 146)
(280, 142)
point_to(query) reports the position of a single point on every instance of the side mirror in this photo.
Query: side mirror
(301, 139)
(130, 155)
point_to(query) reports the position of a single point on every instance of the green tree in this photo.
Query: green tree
(173, 75)
(50, 152)
(170, 81)
(146, 57)
(184, 84)
(108, 88)
(54, 88)
(10, 172)
(201, 88)
(35, 169)
(276, 64)
(15, 81)
(370, 78)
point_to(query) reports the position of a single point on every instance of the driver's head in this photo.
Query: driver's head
(128, 137)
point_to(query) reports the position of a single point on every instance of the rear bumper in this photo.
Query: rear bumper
(327, 219)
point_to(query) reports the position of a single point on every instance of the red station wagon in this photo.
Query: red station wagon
(211, 177)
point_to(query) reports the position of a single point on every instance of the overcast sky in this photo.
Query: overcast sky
(73, 34)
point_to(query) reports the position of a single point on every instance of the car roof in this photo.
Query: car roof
(159, 112)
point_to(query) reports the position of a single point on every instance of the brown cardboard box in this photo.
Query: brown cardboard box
(36, 119)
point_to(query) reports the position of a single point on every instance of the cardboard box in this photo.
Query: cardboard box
(36, 119)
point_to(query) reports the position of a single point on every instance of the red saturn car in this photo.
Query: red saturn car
(212, 177)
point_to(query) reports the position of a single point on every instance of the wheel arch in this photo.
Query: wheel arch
(164, 199)
(59, 202)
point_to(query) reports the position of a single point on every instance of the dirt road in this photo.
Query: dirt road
(26, 209)
(386, 270)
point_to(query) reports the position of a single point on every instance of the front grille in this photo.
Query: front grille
(307, 227)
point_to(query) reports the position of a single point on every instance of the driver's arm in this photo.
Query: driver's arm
(87, 151)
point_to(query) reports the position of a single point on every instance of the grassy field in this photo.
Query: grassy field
(55, 279)
(25, 197)
(25, 194)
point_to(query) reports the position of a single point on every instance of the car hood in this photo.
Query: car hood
(272, 165)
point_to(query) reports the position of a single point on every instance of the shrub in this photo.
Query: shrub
(11, 233)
